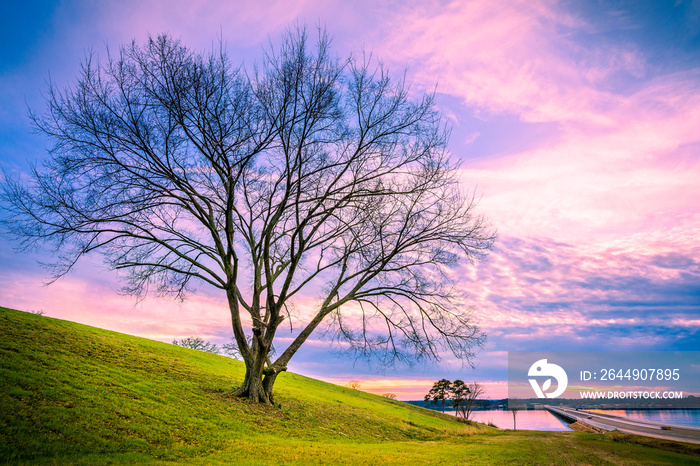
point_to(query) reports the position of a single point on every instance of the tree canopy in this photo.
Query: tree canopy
(440, 393)
(459, 394)
(464, 395)
(197, 343)
(305, 175)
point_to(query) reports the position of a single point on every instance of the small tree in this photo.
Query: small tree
(515, 405)
(440, 393)
(231, 349)
(391, 396)
(306, 175)
(464, 396)
(459, 391)
(197, 343)
(354, 384)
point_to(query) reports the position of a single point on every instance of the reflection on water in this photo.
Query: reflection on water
(525, 420)
(686, 417)
(544, 420)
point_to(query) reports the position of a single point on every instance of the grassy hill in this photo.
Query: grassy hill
(73, 394)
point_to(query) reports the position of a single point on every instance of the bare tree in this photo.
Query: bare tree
(305, 175)
(354, 384)
(391, 396)
(458, 394)
(464, 395)
(232, 351)
(197, 343)
(515, 405)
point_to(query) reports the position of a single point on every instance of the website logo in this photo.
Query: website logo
(542, 368)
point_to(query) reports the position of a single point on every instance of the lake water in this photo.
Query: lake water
(684, 417)
(524, 420)
(544, 420)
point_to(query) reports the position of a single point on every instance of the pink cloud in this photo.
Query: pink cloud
(619, 164)
(606, 211)
(596, 183)
(414, 389)
(95, 304)
(245, 23)
(542, 293)
(514, 57)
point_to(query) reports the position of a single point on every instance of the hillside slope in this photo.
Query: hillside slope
(70, 393)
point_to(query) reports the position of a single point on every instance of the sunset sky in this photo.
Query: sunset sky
(577, 123)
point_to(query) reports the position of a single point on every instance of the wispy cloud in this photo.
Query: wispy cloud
(599, 223)
(515, 57)
(585, 152)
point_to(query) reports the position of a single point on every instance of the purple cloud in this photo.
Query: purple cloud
(577, 127)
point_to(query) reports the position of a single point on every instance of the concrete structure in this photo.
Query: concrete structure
(608, 422)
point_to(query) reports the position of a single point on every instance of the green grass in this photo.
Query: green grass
(73, 394)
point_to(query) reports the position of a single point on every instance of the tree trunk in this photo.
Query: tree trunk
(257, 386)
(258, 382)
(261, 374)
